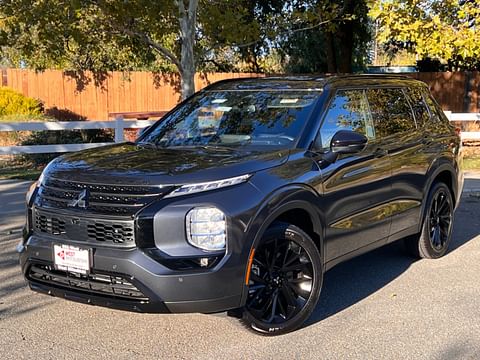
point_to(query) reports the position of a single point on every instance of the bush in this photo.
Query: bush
(14, 103)
(16, 107)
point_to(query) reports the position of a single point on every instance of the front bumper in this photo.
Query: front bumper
(165, 290)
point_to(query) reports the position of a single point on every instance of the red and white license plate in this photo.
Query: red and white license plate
(71, 258)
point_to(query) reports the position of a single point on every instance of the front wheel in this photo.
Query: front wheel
(285, 281)
(436, 234)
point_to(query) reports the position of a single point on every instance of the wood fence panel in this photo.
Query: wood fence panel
(473, 93)
(455, 91)
(144, 91)
(119, 92)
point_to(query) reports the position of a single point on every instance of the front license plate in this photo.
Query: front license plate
(71, 258)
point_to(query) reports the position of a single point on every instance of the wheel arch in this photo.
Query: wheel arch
(284, 205)
(294, 204)
(446, 173)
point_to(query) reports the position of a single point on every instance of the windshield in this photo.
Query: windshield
(236, 118)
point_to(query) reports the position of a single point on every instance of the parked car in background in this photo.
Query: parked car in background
(244, 195)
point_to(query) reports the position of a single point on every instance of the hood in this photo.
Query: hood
(128, 163)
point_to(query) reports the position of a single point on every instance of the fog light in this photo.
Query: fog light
(206, 228)
(204, 262)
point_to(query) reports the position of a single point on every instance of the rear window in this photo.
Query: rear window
(420, 110)
(391, 111)
(438, 119)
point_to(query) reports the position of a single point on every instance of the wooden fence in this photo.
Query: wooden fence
(94, 99)
(458, 92)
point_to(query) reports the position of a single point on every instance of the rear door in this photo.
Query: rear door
(393, 111)
(355, 186)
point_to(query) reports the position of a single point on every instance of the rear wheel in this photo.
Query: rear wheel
(285, 281)
(436, 234)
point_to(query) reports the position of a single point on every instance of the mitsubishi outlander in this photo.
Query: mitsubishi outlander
(244, 195)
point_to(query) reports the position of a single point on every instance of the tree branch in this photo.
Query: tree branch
(192, 8)
(220, 67)
(181, 7)
(156, 46)
(284, 32)
(163, 51)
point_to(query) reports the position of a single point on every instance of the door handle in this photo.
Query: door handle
(378, 153)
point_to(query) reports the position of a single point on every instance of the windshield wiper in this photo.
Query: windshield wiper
(148, 145)
(216, 147)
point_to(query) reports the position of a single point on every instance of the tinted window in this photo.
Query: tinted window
(438, 120)
(348, 111)
(391, 111)
(236, 118)
(422, 115)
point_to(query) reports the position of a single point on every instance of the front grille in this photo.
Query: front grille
(49, 225)
(116, 233)
(114, 286)
(80, 229)
(103, 199)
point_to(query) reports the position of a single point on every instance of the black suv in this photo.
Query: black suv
(242, 197)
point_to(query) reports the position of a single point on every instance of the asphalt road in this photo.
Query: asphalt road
(380, 305)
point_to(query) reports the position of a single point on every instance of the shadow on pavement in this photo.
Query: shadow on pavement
(356, 279)
(350, 282)
(14, 298)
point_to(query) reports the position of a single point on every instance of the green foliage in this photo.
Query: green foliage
(306, 52)
(84, 35)
(14, 103)
(182, 36)
(120, 35)
(230, 35)
(443, 29)
(331, 36)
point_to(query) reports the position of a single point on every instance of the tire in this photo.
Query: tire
(285, 281)
(437, 224)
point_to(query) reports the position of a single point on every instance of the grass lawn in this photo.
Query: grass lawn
(471, 162)
(19, 171)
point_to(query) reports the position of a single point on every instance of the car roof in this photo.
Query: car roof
(310, 82)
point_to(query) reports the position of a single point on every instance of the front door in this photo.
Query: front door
(356, 187)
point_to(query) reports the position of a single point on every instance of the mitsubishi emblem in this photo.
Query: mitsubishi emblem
(81, 201)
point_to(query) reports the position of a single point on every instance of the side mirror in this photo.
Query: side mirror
(143, 131)
(348, 142)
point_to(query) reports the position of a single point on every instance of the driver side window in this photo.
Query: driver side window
(347, 111)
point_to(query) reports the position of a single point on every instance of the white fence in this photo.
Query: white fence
(119, 125)
(465, 117)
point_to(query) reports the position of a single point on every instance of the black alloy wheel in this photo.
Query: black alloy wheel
(436, 234)
(285, 281)
(440, 219)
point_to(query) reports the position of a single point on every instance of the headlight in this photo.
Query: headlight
(206, 228)
(211, 185)
(30, 192)
(42, 177)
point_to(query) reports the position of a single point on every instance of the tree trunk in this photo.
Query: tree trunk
(345, 47)
(188, 21)
(331, 57)
(345, 39)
